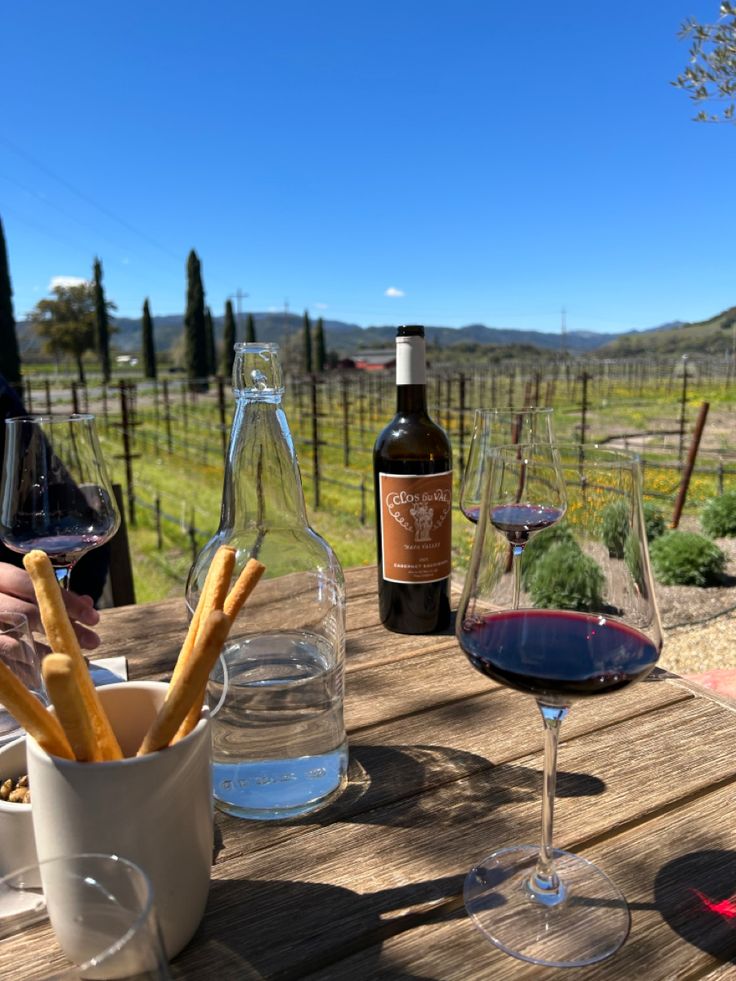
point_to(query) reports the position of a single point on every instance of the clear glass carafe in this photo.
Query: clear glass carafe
(276, 694)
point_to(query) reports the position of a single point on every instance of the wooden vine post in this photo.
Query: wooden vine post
(690, 463)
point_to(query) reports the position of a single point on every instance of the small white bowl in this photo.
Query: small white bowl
(17, 843)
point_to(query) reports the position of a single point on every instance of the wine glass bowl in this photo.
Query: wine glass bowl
(574, 616)
(56, 494)
(498, 427)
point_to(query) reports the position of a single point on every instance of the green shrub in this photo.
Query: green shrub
(539, 545)
(567, 579)
(684, 558)
(718, 516)
(654, 522)
(615, 527)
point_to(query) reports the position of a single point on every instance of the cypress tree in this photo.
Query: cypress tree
(320, 353)
(102, 326)
(195, 335)
(9, 353)
(250, 330)
(210, 335)
(228, 340)
(149, 351)
(307, 344)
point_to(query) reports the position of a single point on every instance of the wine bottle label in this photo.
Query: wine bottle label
(411, 366)
(416, 526)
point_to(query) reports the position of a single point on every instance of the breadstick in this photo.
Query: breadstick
(30, 713)
(61, 636)
(61, 684)
(56, 623)
(236, 597)
(189, 686)
(211, 598)
(243, 587)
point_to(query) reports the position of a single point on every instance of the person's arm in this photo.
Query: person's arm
(16, 595)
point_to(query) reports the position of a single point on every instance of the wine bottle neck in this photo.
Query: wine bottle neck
(411, 374)
(411, 398)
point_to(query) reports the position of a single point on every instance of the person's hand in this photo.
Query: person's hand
(17, 595)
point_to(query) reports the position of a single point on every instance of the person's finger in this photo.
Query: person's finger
(80, 608)
(16, 582)
(12, 604)
(88, 639)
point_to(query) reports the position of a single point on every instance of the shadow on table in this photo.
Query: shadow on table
(696, 896)
(277, 928)
(463, 786)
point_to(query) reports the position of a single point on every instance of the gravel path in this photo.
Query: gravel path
(700, 624)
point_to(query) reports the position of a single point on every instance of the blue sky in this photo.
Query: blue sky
(388, 162)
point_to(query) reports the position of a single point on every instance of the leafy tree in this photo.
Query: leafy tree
(711, 74)
(320, 352)
(149, 350)
(228, 340)
(307, 342)
(250, 330)
(102, 323)
(9, 353)
(68, 323)
(195, 333)
(209, 328)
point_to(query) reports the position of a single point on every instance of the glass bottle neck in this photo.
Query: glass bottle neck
(411, 399)
(263, 486)
(411, 374)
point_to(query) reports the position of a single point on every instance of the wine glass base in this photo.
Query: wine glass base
(589, 925)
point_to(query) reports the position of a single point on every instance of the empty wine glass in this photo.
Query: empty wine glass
(496, 427)
(585, 623)
(18, 652)
(55, 494)
(102, 913)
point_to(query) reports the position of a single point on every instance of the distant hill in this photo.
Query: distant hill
(714, 336)
(347, 339)
(709, 336)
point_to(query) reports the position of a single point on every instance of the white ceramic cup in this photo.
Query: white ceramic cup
(154, 810)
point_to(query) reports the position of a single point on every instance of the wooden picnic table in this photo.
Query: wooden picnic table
(446, 767)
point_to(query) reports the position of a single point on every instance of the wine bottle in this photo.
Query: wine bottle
(412, 467)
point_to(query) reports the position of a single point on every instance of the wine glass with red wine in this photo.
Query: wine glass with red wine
(525, 495)
(55, 494)
(584, 624)
(497, 427)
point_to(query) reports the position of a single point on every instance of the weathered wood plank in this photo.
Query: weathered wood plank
(658, 865)
(316, 898)
(409, 755)
(151, 635)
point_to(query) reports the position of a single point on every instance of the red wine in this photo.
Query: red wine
(412, 467)
(519, 521)
(557, 652)
(472, 513)
(62, 550)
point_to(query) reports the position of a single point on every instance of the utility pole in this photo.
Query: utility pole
(238, 295)
(563, 333)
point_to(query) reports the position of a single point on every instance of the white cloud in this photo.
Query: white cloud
(392, 291)
(66, 281)
(320, 306)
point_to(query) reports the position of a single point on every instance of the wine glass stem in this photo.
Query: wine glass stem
(516, 552)
(62, 573)
(544, 885)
